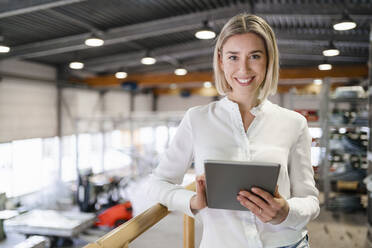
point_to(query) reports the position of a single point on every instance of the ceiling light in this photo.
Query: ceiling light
(318, 81)
(331, 50)
(325, 67)
(206, 32)
(4, 49)
(207, 84)
(76, 65)
(345, 23)
(148, 60)
(94, 42)
(180, 71)
(121, 75)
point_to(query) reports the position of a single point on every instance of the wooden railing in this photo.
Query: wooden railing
(121, 236)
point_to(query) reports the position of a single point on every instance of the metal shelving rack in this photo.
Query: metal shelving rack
(326, 125)
(369, 152)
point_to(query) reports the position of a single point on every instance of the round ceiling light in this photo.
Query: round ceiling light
(76, 65)
(148, 60)
(180, 71)
(94, 42)
(325, 67)
(121, 75)
(345, 23)
(4, 49)
(207, 84)
(205, 34)
(331, 52)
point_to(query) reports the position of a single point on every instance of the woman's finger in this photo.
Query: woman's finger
(256, 210)
(265, 195)
(258, 201)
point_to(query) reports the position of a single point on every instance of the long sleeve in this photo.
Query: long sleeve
(165, 180)
(304, 203)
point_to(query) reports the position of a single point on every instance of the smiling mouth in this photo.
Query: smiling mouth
(245, 81)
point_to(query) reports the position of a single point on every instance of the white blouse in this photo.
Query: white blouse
(215, 131)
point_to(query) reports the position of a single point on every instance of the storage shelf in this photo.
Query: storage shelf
(326, 111)
(349, 100)
(331, 125)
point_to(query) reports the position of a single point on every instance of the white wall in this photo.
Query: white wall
(28, 69)
(28, 102)
(27, 109)
(177, 103)
(87, 106)
(117, 103)
(143, 102)
(27, 106)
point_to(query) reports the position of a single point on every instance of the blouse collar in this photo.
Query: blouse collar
(231, 105)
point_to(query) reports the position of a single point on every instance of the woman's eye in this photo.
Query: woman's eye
(233, 57)
(255, 56)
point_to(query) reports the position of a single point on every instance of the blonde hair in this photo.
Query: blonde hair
(241, 24)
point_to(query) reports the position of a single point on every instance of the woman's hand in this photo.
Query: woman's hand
(268, 208)
(199, 201)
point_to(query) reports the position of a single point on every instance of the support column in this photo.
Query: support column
(369, 152)
(59, 85)
(59, 130)
(133, 166)
(324, 120)
(102, 94)
(155, 98)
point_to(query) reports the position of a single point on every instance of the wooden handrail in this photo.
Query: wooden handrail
(121, 236)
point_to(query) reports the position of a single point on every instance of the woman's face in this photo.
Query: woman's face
(243, 60)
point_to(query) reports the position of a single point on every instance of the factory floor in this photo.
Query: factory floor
(330, 229)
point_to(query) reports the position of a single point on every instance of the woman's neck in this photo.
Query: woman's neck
(246, 103)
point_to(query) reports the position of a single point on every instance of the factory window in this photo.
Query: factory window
(6, 167)
(117, 155)
(68, 171)
(90, 152)
(28, 165)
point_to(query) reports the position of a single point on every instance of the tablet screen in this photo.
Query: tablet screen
(224, 180)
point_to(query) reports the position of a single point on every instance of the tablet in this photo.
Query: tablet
(224, 180)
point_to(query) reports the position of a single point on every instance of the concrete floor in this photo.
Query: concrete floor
(329, 230)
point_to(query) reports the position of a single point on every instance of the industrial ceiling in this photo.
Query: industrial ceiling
(53, 32)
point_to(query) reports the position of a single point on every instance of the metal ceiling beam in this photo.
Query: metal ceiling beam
(205, 48)
(166, 26)
(19, 7)
(73, 20)
(121, 34)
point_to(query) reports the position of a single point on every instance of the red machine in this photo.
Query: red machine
(116, 215)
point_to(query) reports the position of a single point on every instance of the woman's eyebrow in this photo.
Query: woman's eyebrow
(254, 51)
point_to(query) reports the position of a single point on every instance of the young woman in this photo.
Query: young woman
(244, 126)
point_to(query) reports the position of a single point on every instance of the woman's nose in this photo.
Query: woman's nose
(244, 65)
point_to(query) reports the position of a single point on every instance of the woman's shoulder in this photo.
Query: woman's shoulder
(290, 115)
(201, 110)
